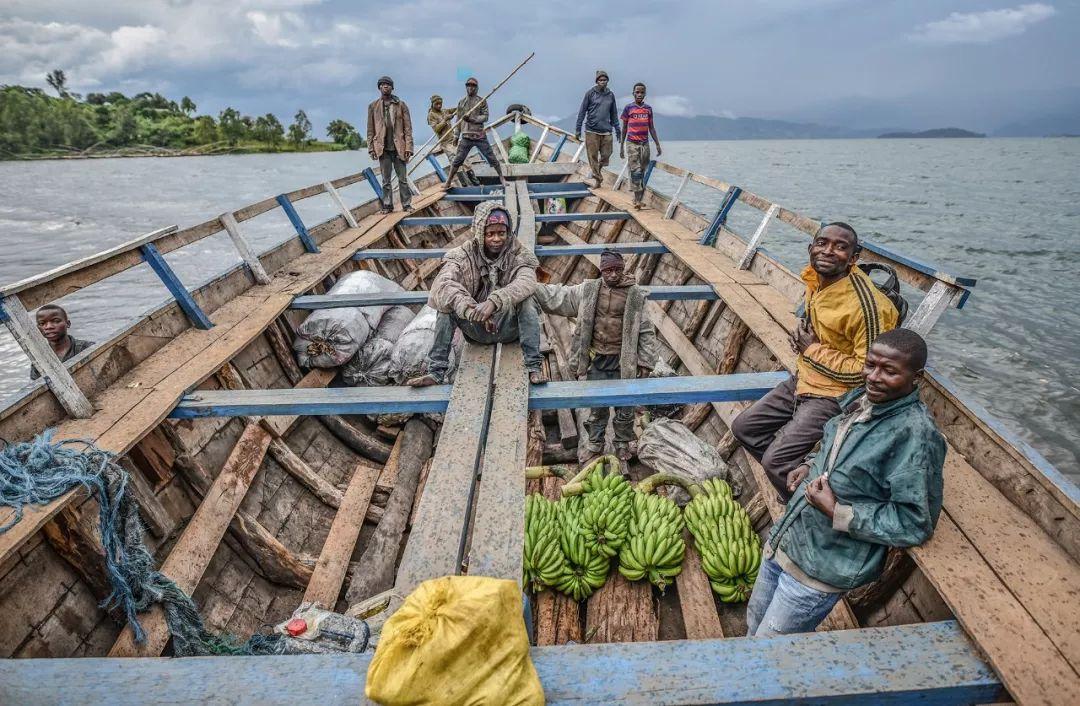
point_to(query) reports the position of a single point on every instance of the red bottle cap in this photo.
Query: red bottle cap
(296, 626)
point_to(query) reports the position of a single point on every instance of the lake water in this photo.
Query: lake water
(1005, 211)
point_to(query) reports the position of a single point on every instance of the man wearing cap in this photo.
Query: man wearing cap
(600, 118)
(472, 111)
(613, 340)
(389, 136)
(485, 288)
(439, 120)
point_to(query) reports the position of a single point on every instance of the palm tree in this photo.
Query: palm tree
(58, 81)
(187, 105)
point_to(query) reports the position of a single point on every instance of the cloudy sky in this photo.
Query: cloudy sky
(914, 63)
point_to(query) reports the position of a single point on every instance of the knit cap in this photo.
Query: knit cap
(498, 216)
(601, 72)
(385, 79)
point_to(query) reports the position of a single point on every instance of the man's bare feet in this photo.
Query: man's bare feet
(537, 377)
(426, 380)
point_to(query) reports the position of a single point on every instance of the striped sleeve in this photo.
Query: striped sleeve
(843, 367)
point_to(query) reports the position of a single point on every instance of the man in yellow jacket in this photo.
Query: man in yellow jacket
(845, 312)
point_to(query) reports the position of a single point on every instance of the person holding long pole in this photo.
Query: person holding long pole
(474, 113)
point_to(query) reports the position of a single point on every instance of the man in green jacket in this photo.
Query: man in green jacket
(875, 483)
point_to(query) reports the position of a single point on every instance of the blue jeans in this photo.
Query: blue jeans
(523, 323)
(781, 605)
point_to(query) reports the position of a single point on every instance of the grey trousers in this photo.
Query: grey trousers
(389, 162)
(598, 416)
(465, 144)
(598, 148)
(637, 157)
(780, 429)
(521, 324)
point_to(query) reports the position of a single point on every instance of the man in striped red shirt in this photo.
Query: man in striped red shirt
(637, 120)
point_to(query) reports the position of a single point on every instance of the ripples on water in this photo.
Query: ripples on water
(1003, 211)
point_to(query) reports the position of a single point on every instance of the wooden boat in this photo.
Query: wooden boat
(259, 485)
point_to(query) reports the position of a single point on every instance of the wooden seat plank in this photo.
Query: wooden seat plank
(932, 662)
(437, 538)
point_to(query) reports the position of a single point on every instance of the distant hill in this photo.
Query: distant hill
(712, 127)
(936, 132)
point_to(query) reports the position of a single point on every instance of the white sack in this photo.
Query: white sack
(409, 357)
(668, 446)
(371, 364)
(330, 337)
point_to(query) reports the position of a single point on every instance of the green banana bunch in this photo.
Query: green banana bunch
(585, 569)
(730, 549)
(654, 546)
(543, 561)
(606, 510)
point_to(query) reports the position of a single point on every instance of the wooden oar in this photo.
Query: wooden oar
(459, 118)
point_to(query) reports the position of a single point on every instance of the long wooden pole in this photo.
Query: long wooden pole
(459, 118)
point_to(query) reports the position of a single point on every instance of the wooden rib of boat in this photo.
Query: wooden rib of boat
(260, 488)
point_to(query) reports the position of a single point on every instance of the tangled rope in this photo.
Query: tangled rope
(40, 471)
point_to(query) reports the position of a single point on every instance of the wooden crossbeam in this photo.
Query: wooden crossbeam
(646, 248)
(434, 399)
(690, 292)
(932, 662)
(540, 218)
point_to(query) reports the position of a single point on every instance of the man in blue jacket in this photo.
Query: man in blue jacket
(601, 119)
(875, 483)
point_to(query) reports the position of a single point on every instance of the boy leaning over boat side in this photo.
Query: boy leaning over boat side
(637, 126)
(485, 288)
(845, 312)
(875, 483)
(390, 141)
(53, 322)
(613, 339)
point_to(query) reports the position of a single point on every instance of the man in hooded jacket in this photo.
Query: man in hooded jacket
(485, 288)
(600, 117)
(613, 340)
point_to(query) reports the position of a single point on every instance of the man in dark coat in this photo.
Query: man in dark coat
(390, 141)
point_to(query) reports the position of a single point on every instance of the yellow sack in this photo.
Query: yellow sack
(456, 640)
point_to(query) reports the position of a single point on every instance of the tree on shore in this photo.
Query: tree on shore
(300, 130)
(268, 129)
(58, 80)
(205, 131)
(343, 133)
(231, 125)
(187, 105)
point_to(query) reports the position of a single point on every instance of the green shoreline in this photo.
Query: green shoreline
(211, 150)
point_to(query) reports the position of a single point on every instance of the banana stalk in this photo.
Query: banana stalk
(576, 485)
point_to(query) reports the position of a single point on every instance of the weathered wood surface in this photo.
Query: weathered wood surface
(882, 665)
(437, 539)
(302, 472)
(196, 546)
(140, 399)
(329, 575)
(359, 441)
(558, 617)
(375, 570)
(622, 611)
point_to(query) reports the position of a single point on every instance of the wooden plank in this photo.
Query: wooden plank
(696, 600)
(37, 349)
(244, 248)
(649, 247)
(692, 292)
(434, 399)
(192, 553)
(931, 662)
(437, 539)
(510, 171)
(329, 574)
(499, 526)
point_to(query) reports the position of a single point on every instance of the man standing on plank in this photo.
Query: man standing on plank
(390, 141)
(875, 483)
(472, 110)
(613, 340)
(637, 124)
(600, 117)
(53, 323)
(485, 288)
(845, 312)
(439, 119)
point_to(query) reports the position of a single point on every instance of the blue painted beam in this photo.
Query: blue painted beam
(558, 149)
(540, 218)
(915, 264)
(294, 218)
(648, 172)
(434, 399)
(373, 182)
(924, 663)
(568, 194)
(651, 247)
(718, 221)
(183, 297)
(690, 292)
(437, 167)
